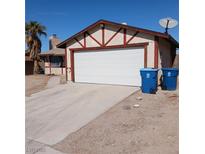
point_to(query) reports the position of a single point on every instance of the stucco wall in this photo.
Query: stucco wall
(47, 64)
(47, 70)
(109, 32)
(118, 40)
(55, 71)
(165, 53)
(97, 34)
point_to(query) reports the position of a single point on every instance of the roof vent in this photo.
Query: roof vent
(124, 23)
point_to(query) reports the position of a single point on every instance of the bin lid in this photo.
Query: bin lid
(170, 69)
(149, 69)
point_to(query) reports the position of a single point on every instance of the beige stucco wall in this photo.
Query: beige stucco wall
(55, 71)
(118, 40)
(47, 64)
(109, 32)
(47, 71)
(97, 34)
(74, 44)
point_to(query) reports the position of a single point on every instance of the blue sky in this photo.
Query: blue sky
(67, 17)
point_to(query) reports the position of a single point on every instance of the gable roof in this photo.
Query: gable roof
(106, 22)
(54, 52)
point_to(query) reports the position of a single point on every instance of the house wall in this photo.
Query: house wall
(140, 38)
(118, 40)
(97, 34)
(165, 53)
(109, 32)
(48, 69)
(55, 71)
(47, 64)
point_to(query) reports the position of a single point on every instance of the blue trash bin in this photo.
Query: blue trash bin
(169, 78)
(149, 78)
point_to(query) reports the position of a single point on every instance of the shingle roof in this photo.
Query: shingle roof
(55, 51)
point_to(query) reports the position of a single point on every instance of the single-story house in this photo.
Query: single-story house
(113, 53)
(54, 58)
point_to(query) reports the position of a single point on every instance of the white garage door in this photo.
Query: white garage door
(114, 66)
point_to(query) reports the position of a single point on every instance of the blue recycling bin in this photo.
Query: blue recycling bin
(169, 78)
(149, 78)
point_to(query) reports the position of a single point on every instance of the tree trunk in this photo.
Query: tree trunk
(36, 67)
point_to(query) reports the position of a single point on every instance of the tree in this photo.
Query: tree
(33, 32)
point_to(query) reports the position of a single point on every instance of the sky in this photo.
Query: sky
(67, 17)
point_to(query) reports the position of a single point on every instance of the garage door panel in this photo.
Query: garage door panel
(118, 66)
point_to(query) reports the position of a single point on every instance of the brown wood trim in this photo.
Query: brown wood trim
(113, 24)
(125, 37)
(146, 31)
(111, 47)
(66, 65)
(50, 69)
(94, 39)
(132, 28)
(131, 38)
(79, 42)
(72, 65)
(156, 51)
(145, 56)
(49, 65)
(84, 38)
(103, 35)
(113, 36)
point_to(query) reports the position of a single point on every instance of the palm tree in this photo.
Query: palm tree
(33, 32)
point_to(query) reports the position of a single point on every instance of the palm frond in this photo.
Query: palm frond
(33, 32)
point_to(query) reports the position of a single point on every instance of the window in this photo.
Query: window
(56, 61)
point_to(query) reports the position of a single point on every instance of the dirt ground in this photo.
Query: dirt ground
(140, 124)
(35, 83)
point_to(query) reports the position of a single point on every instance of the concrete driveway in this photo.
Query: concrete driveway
(54, 113)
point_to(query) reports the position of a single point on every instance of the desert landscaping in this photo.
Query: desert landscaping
(35, 83)
(138, 124)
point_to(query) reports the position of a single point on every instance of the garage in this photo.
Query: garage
(107, 52)
(115, 66)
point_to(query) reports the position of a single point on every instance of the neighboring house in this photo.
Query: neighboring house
(29, 64)
(54, 58)
(112, 53)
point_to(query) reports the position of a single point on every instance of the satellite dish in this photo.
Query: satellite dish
(168, 23)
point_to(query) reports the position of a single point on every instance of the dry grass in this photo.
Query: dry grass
(35, 83)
